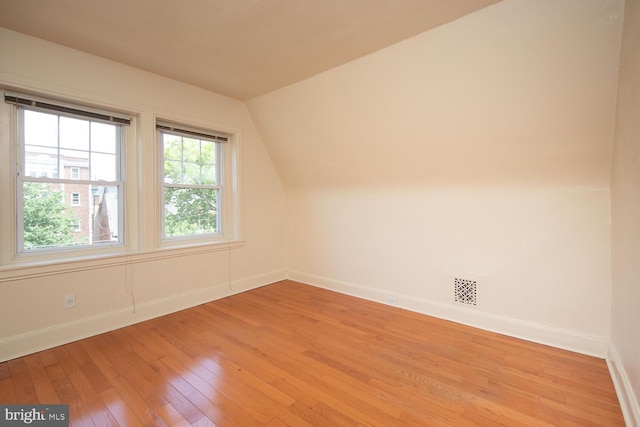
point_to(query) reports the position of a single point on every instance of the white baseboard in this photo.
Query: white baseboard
(556, 337)
(627, 398)
(52, 336)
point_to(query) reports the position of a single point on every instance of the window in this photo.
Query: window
(77, 152)
(72, 188)
(192, 181)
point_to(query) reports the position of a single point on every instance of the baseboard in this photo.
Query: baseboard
(556, 337)
(628, 401)
(52, 336)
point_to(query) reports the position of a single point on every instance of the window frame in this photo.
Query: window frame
(19, 178)
(223, 157)
(141, 239)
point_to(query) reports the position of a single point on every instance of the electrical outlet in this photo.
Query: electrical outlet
(69, 301)
(392, 300)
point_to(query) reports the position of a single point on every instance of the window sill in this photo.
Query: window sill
(40, 268)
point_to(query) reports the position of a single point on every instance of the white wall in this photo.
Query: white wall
(624, 349)
(479, 150)
(31, 299)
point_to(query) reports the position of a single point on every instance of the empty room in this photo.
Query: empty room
(320, 212)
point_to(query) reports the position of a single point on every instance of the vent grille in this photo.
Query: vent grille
(465, 291)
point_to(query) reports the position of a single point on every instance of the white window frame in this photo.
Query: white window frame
(75, 172)
(229, 186)
(75, 196)
(16, 112)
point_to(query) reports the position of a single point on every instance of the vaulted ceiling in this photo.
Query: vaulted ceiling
(238, 48)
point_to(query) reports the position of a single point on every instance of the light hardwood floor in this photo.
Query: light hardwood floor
(293, 355)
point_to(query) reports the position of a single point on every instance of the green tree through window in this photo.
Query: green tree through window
(191, 186)
(47, 221)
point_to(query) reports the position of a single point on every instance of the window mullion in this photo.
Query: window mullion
(58, 153)
(90, 153)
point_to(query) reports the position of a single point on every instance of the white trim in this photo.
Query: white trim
(530, 331)
(27, 270)
(30, 342)
(628, 401)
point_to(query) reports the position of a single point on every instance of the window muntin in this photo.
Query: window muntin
(77, 159)
(191, 184)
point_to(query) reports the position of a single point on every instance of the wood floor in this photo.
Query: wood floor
(294, 355)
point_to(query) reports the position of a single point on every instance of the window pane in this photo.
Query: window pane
(172, 172)
(209, 175)
(104, 219)
(52, 220)
(190, 211)
(103, 167)
(208, 150)
(172, 147)
(103, 138)
(39, 160)
(74, 133)
(191, 174)
(71, 160)
(47, 220)
(40, 129)
(191, 150)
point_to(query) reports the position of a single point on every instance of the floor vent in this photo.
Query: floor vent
(465, 291)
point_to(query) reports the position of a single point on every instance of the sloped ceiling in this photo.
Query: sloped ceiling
(522, 92)
(238, 48)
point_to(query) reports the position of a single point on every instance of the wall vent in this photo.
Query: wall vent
(465, 291)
